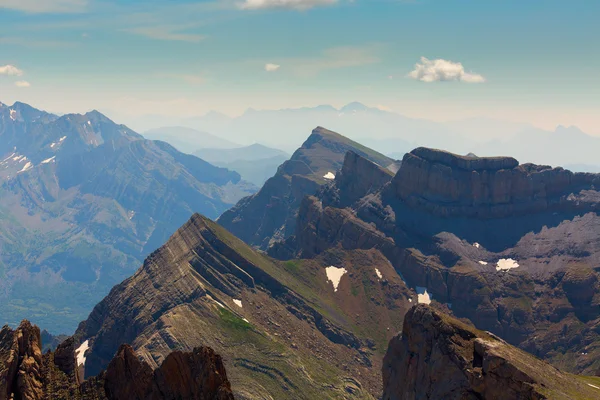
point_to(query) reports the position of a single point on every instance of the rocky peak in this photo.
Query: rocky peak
(270, 215)
(447, 184)
(439, 357)
(20, 362)
(26, 374)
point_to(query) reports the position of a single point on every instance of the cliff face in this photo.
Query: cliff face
(270, 214)
(446, 184)
(439, 357)
(26, 374)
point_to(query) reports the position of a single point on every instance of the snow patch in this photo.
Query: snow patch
(594, 386)
(334, 275)
(130, 214)
(422, 296)
(80, 353)
(89, 122)
(49, 160)
(378, 273)
(506, 264)
(237, 302)
(27, 166)
(483, 262)
(13, 114)
(477, 245)
(410, 300)
(329, 175)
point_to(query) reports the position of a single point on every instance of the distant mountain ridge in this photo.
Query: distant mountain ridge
(391, 132)
(188, 140)
(82, 201)
(255, 163)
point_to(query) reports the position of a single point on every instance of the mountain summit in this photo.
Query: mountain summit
(270, 214)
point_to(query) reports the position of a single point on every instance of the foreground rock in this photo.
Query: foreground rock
(26, 374)
(438, 357)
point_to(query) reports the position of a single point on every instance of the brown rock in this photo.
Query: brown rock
(439, 357)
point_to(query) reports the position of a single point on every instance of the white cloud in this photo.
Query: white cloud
(443, 70)
(10, 70)
(166, 33)
(285, 4)
(272, 67)
(22, 84)
(45, 6)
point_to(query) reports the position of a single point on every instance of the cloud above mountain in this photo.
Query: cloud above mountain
(45, 6)
(22, 84)
(272, 67)
(10, 70)
(441, 70)
(285, 4)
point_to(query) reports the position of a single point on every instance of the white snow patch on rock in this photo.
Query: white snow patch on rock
(80, 353)
(27, 166)
(410, 300)
(329, 175)
(334, 275)
(49, 160)
(594, 386)
(476, 245)
(13, 114)
(483, 262)
(237, 302)
(378, 273)
(506, 264)
(422, 296)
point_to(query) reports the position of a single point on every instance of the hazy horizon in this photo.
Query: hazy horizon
(526, 63)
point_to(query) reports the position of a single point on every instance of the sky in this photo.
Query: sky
(533, 61)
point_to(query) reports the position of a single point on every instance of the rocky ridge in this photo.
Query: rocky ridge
(439, 357)
(270, 214)
(284, 329)
(26, 373)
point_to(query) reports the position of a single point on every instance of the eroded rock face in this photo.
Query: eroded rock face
(27, 375)
(20, 363)
(446, 184)
(438, 357)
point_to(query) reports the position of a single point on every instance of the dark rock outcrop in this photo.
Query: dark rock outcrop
(438, 357)
(182, 376)
(26, 374)
(20, 363)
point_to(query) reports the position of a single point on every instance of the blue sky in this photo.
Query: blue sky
(533, 61)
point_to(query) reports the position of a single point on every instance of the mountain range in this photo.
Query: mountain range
(82, 202)
(394, 134)
(487, 267)
(255, 163)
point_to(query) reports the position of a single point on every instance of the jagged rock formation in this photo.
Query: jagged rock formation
(530, 278)
(270, 214)
(284, 329)
(83, 201)
(439, 357)
(26, 374)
